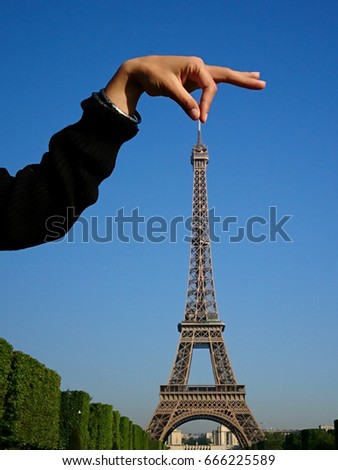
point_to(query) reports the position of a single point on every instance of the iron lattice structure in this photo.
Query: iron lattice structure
(224, 401)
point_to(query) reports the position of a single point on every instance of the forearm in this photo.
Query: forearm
(68, 176)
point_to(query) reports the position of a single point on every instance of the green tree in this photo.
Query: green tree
(293, 441)
(74, 420)
(100, 426)
(6, 355)
(126, 433)
(272, 441)
(203, 440)
(191, 441)
(317, 439)
(31, 406)
(116, 436)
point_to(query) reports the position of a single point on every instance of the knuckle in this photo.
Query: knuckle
(197, 61)
(213, 87)
(210, 91)
(187, 103)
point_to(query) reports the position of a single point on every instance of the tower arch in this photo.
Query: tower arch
(229, 422)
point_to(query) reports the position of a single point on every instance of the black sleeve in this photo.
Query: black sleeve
(43, 200)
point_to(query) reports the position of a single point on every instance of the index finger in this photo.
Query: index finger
(209, 88)
(250, 80)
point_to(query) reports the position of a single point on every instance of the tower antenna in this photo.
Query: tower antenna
(199, 139)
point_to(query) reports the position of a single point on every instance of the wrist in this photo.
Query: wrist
(102, 98)
(123, 89)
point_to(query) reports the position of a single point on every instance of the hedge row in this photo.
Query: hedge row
(305, 439)
(74, 420)
(100, 426)
(6, 355)
(30, 401)
(85, 425)
(35, 414)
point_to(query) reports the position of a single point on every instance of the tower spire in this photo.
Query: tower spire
(199, 151)
(199, 138)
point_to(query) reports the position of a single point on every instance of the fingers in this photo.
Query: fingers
(176, 91)
(207, 84)
(189, 74)
(208, 94)
(176, 77)
(250, 80)
(198, 75)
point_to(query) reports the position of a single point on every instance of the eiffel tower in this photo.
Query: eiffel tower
(224, 401)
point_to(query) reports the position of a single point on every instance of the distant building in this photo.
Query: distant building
(223, 438)
(209, 436)
(175, 438)
(326, 427)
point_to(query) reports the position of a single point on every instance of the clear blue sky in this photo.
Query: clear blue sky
(104, 315)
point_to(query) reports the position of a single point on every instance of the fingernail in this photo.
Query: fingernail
(195, 113)
(204, 120)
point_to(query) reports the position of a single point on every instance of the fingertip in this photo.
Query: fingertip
(194, 114)
(204, 118)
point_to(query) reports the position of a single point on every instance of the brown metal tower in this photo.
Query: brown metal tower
(224, 401)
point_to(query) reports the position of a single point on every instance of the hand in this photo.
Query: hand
(175, 77)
